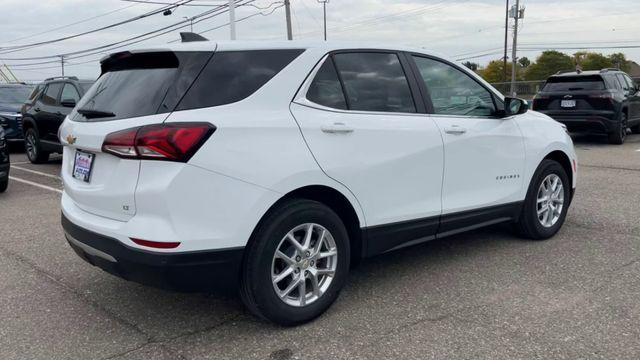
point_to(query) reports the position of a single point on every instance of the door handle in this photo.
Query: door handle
(336, 128)
(455, 130)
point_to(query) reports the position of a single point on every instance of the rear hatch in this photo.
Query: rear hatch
(574, 93)
(135, 89)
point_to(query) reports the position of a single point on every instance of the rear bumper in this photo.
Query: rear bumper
(586, 121)
(217, 270)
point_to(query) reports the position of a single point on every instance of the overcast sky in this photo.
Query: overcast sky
(456, 28)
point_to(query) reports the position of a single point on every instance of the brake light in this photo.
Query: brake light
(167, 141)
(156, 244)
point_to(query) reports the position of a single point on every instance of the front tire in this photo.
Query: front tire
(4, 183)
(547, 202)
(619, 133)
(33, 148)
(296, 264)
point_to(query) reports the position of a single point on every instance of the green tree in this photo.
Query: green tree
(524, 62)
(593, 61)
(494, 72)
(471, 65)
(620, 60)
(547, 64)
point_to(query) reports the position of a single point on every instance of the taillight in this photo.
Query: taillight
(156, 244)
(168, 141)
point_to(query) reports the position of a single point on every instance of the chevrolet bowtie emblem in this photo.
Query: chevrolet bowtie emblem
(71, 139)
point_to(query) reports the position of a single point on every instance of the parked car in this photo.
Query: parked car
(275, 166)
(43, 114)
(605, 101)
(4, 161)
(12, 96)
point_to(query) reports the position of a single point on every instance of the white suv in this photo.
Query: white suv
(273, 167)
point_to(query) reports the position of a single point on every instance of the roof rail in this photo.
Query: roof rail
(565, 72)
(62, 77)
(610, 69)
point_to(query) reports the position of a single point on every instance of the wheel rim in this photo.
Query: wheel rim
(304, 264)
(30, 144)
(550, 200)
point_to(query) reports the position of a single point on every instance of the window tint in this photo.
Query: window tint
(612, 82)
(452, 91)
(14, 94)
(69, 92)
(50, 96)
(630, 81)
(326, 88)
(142, 84)
(234, 75)
(574, 83)
(374, 82)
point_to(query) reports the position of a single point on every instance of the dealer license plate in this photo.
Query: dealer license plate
(83, 165)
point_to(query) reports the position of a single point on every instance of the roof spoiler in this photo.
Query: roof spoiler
(191, 36)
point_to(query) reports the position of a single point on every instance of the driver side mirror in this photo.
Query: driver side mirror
(68, 103)
(514, 106)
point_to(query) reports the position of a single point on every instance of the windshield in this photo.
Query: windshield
(574, 83)
(14, 94)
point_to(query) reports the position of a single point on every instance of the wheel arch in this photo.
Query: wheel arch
(337, 202)
(28, 123)
(564, 160)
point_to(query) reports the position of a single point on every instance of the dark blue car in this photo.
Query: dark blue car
(12, 97)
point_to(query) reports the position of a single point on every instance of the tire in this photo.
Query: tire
(32, 147)
(4, 183)
(257, 289)
(529, 225)
(619, 133)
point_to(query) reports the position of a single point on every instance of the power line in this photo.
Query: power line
(136, 18)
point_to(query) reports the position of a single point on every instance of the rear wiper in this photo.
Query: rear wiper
(93, 114)
(575, 89)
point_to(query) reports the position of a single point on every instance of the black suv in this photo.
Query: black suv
(605, 101)
(43, 114)
(12, 96)
(4, 162)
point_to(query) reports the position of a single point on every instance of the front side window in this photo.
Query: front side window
(374, 82)
(623, 82)
(452, 91)
(50, 96)
(326, 89)
(69, 92)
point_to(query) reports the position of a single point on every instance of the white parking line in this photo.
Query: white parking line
(36, 172)
(35, 184)
(20, 163)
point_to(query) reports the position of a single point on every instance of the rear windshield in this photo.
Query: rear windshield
(142, 84)
(574, 83)
(14, 94)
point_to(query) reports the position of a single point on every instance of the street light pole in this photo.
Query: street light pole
(190, 21)
(232, 19)
(517, 14)
(324, 9)
(287, 8)
(506, 39)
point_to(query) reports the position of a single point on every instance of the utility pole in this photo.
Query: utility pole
(287, 7)
(517, 15)
(324, 8)
(62, 64)
(190, 22)
(506, 39)
(232, 18)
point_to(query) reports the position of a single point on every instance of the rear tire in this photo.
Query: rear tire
(619, 133)
(4, 183)
(263, 265)
(532, 223)
(33, 148)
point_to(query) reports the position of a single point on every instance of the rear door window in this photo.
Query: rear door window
(232, 76)
(69, 92)
(374, 81)
(574, 83)
(50, 96)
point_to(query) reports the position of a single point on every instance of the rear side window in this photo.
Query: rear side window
(574, 83)
(50, 96)
(235, 75)
(374, 82)
(623, 82)
(326, 88)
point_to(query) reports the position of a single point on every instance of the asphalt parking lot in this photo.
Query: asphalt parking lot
(484, 294)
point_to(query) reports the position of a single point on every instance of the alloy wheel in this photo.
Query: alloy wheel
(30, 145)
(304, 264)
(550, 200)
